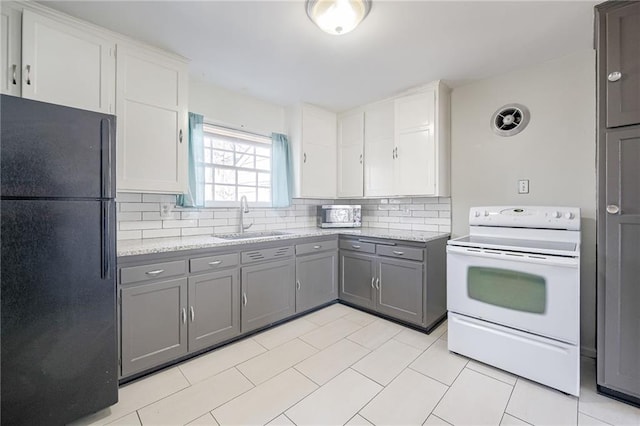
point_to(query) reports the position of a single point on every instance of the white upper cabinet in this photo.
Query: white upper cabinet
(11, 27)
(406, 144)
(151, 106)
(379, 149)
(313, 146)
(65, 64)
(415, 154)
(351, 155)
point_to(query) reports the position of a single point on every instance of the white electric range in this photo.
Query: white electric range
(513, 292)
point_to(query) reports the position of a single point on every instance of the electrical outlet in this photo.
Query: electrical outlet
(523, 186)
(165, 210)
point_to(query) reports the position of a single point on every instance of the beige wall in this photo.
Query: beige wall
(237, 110)
(556, 152)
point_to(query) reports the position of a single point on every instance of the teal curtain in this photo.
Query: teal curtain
(195, 194)
(281, 171)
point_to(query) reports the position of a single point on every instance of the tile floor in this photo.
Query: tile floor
(341, 366)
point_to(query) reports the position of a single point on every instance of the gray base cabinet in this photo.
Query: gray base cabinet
(406, 283)
(214, 308)
(268, 293)
(316, 280)
(357, 278)
(399, 288)
(154, 324)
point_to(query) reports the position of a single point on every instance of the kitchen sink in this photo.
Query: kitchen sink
(248, 235)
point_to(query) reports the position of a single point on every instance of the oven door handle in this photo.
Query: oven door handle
(538, 259)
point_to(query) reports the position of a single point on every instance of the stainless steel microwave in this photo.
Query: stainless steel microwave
(339, 216)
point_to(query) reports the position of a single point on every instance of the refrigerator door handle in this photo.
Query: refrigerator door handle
(106, 240)
(105, 142)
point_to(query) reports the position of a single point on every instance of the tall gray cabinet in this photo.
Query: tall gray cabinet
(618, 56)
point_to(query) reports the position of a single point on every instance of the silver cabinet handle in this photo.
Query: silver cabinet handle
(304, 157)
(360, 158)
(373, 280)
(215, 263)
(184, 316)
(318, 247)
(396, 151)
(15, 68)
(244, 299)
(180, 136)
(28, 76)
(193, 313)
(378, 283)
(298, 285)
(398, 253)
(356, 246)
(154, 273)
(614, 76)
(613, 209)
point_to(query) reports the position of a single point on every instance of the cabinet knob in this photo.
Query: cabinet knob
(613, 209)
(614, 76)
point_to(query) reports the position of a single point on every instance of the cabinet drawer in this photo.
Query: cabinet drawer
(400, 252)
(211, 263)
(266, 254)
(151, 272)
(358, 246)
(316, 247)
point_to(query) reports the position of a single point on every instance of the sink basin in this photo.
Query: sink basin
(248, 235)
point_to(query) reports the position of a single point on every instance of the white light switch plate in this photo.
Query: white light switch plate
(523, 186)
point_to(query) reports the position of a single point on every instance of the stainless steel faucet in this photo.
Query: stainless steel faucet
(244, 208)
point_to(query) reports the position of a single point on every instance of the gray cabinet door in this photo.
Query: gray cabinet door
(316, 280)
(399, 285)
(357, 275)
(154, 324)
(623, 56)
(268, 293)
(621, 351)
(214, 308)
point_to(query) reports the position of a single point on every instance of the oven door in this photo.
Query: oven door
(530, 292)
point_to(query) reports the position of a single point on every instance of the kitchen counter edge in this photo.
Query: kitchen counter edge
(174, 244)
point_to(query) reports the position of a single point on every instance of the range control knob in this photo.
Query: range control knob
(568, 215)
(486, 213)
(477, 213)
(555, 215)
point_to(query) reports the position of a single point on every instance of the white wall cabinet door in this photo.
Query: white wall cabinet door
(151, 105)
(378, 150)
(313, 144)
(10, 38)
(351, 155)
(415, 156)
(66, 65)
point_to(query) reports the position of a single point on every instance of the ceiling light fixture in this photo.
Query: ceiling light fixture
(338, 17)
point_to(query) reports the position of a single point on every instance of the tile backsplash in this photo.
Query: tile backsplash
(139, 216)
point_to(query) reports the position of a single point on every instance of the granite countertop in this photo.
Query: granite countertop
(163, 245)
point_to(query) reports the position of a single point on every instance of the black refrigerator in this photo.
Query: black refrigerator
(58, 295)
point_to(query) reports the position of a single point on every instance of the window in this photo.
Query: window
(234, 164)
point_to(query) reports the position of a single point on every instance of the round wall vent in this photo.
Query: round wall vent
(510, 119)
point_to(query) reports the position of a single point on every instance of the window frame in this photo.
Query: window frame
(240, 137)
